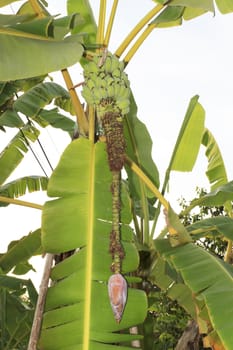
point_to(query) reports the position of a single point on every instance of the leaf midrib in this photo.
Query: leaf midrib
(89, 256)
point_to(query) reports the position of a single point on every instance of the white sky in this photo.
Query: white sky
(172, 66)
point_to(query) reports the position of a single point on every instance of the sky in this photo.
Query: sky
(170, 68)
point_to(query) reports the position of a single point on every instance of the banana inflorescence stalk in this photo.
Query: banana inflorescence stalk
(106, 88)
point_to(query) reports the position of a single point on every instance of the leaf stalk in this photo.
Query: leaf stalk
(80, 114)
(138, 43)
(101, 22)
(19, 202)
(37, 9)
(110, 23)
(131, 36)
(140, 173)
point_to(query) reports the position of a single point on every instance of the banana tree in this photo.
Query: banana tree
(96, 223)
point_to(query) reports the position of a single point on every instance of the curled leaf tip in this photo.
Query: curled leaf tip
(117, 291)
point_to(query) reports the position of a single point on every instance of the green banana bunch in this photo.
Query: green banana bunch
(106, 86)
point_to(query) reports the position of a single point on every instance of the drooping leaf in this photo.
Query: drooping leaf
(189, 140)
(62, 26)
(11, 119)
(41, 26)
(57, 120)
(220, 196)
(47, 26)
(177, 10)
(81, 204)
(216, 171)
(14, 152)
(7, 92)
(20, 187)
(225, 6)
(36, 56)
(32, 101)
(212, 227)
(178, 234)
(89, 26)
(170, 16)
(208, 277)
(16, 311)
(20, 251)
(7, 20)
(139, 147)
(206, 5)
(167, 279)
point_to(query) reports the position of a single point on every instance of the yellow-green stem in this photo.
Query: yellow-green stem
(19, 202)
(91, 115)
(80, 114)
(138, 43)
(101, 22)
(228, 253)
(110, 23)
(36, 7)
(131, 36)
(135, 168)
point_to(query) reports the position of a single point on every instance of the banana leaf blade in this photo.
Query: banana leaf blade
(79, 217)
(209, 278)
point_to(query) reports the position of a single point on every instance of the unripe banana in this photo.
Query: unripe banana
(117, 73)
(116, 89)
(115, 63)
(111, 91)
(100, 83)
(88, 95)
(91, 68)
(124, 93)
(90, 83)
(123, 106)
(108, 65)
(107, 86)
(101, 93)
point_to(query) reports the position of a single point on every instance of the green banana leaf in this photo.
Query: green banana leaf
(16, 312)
(217, 226)
(224, 6)
(167, 279)
(189, 140)
(13, 153)
(55, 119)
(177, 10)
(78, 216)
(35, 54)
(10, 20)
(48, 26)
(31, 102)
(11, 119)
(139, 148)
(20, 251)
(23, 185)
(9, 90)
(89, 27)
(189, 9)
(209, 279)
(220, 196)
(216, 171)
